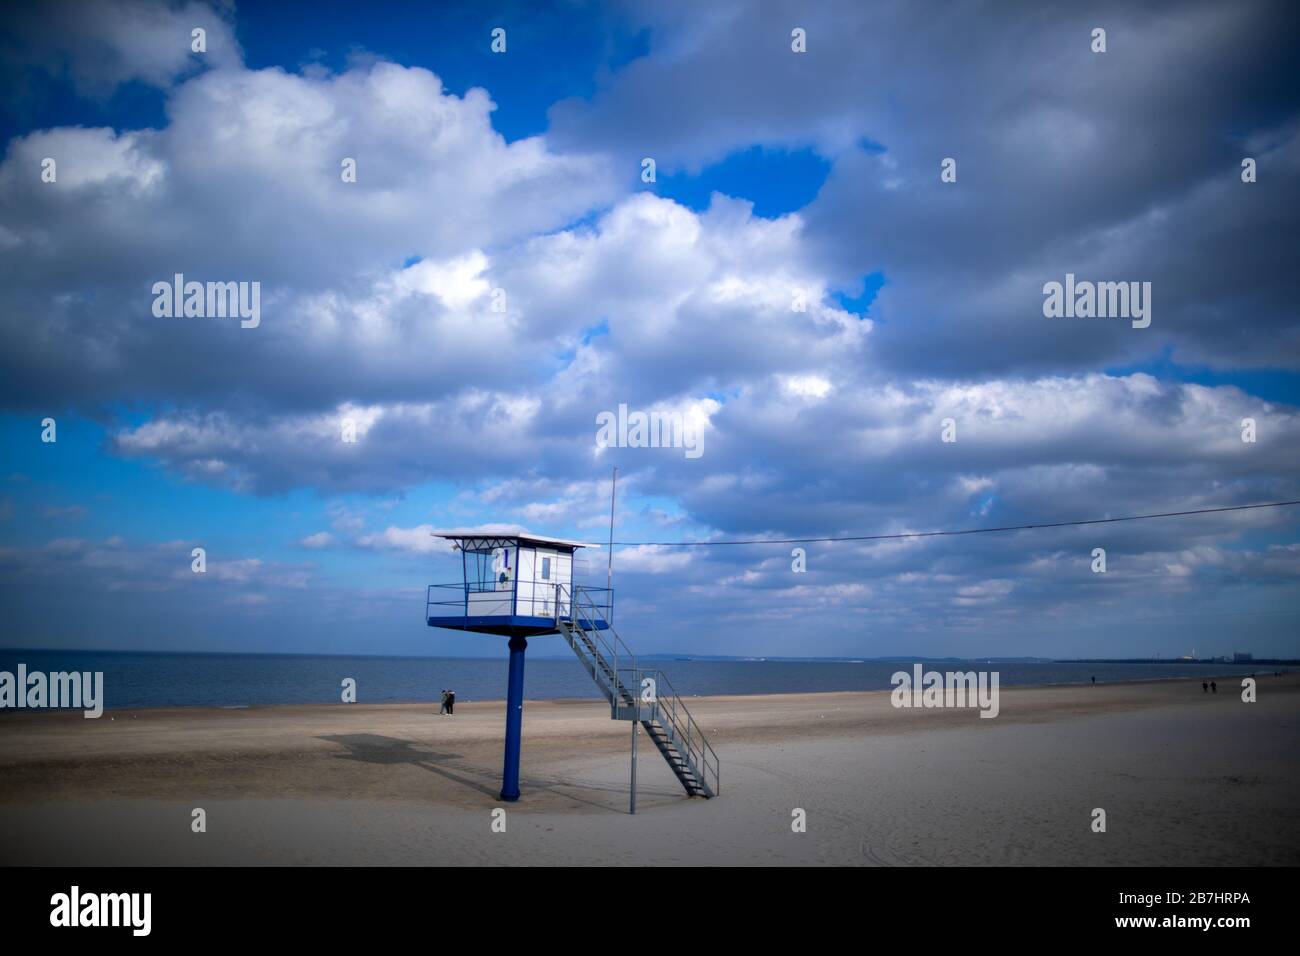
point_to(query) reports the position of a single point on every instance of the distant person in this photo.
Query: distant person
(443, 709)
(1094, 680)
(451, 703)
(1214, 688)
(1205, 688)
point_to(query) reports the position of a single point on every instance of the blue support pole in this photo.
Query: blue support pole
(514, 720)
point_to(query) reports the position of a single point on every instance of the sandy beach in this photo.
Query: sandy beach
(1185, 778)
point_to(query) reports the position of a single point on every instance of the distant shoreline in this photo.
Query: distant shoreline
(689, 698)
(660, 657)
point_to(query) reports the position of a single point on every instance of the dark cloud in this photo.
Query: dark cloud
(1122, 165)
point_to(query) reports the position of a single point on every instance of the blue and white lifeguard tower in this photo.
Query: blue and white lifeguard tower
(514, 585)
(521, 586)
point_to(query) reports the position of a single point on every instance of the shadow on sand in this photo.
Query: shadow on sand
(378, 749)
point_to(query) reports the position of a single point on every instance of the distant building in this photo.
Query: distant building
(1241, 657)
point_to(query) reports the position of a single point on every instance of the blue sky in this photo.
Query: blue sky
(779, 176)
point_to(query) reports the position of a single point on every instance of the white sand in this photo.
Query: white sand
(1185, 778)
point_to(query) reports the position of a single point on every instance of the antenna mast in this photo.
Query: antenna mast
(609, 571)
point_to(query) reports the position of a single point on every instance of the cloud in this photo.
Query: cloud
(665, 347)
(648, 559)
(254, 156)
(110, 42)
(417, 540)
(120, 565)
(1069, 161)
(56, 512)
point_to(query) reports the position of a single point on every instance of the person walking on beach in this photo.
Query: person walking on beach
(1094, 680)
(442, 711)
(1214, 688)
(451, 703)
(1205, 688)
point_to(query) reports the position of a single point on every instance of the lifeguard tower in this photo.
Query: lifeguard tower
(521, 586)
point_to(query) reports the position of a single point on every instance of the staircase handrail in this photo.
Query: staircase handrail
(587, 613)
(686, 729)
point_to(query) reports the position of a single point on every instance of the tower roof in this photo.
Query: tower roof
(496, 539)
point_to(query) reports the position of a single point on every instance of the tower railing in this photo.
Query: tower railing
(446, 597)
(588, 611)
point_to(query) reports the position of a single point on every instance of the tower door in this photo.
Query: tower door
(544, 580)
(562, 572)
(526, 592)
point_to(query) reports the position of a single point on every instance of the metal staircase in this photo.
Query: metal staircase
(634, 693)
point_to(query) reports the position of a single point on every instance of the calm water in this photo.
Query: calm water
(235, 680)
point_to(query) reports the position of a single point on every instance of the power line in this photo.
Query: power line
(938, 534)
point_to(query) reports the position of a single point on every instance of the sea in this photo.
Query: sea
(145, 679)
